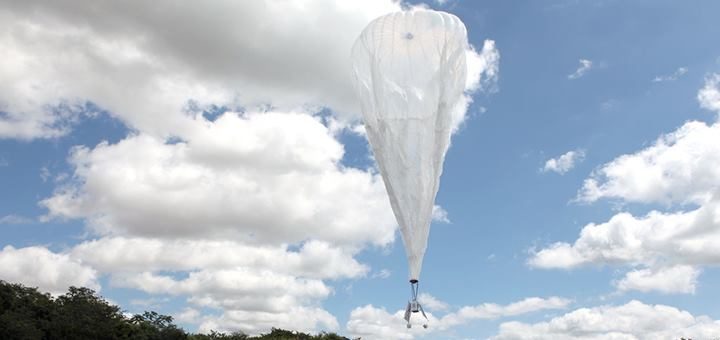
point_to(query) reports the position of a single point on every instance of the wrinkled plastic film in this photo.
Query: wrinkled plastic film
(410, 71)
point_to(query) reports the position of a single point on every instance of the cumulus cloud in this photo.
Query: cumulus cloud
(585, 66)
(50, 272)
(252, 288)
(675, 279)
(432, 303)
(483, 73)
(259, 177)
(254, 211)
(564, 162)
(300, 318)
(483, 68)
(656, 238)
(163, 55)
(680, 170)
(634, 320)
(235, 289)
(188, 315)
(489, 311)
(439, 214)
(709, 95)
(59, 56)
(671, 77)
(371, 322)
(654, 241)
(680, 167)
(314, 259)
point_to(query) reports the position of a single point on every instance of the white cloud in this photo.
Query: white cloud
(439, 214)
(675, 279)
(250, 300)
(634, 320)
(58, 56)
(253, 287)
(371, 322)
(261, 177)
(483, 73)
(15, 219)
(655, 239)
(152, 302)
(483, 68)
(45, 174)
(314, 259)
(431, 303)
(564, 162)
(672, 77)
(298, 318)
(163, 55)
(225, 208)
(489, 311)
(50, 272)
(585, 65)
(709, 95)
(235, 289)
(382, 274)
(680, 167)
(188, 315)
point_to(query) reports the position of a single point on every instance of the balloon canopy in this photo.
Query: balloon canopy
(410, 73)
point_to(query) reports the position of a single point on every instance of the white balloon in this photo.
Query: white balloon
(410, 72)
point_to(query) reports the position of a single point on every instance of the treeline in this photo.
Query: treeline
(26, 313)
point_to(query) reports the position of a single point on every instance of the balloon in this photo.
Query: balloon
(410, 73)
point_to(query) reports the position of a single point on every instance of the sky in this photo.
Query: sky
(207, 161)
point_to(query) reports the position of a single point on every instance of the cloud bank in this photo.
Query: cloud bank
(633, 320)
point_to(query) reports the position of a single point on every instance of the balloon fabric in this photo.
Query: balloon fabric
(410, 73)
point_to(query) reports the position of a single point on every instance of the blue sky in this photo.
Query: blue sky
(582, 185)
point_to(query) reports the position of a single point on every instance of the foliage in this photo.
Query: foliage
(80, 314)
(152, 326)
(27, 314)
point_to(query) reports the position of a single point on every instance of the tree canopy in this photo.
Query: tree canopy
(28, 314)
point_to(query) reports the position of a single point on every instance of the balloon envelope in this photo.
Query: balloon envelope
(410, 72)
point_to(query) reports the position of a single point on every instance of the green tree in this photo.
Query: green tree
(25, 313)
(154, 326)
(80, 314)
